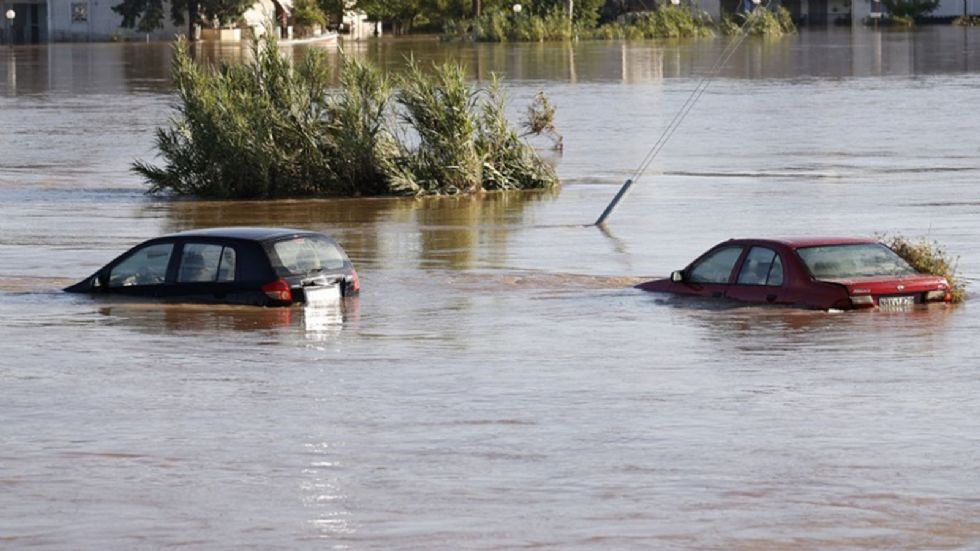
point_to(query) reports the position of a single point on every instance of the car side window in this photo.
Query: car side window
(716, 267)
(203, 262)
(146, 266)
(762, 266)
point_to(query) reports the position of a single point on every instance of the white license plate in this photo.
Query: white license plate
(322, 295)
(906, 301)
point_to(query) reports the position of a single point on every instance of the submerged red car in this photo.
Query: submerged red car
(821, 273)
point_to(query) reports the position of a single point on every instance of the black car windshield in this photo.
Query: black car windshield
(303, 255)
(857, 260)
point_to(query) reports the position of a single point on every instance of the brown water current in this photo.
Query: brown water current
(499, 384)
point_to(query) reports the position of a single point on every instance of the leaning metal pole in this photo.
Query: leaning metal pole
(612, 204)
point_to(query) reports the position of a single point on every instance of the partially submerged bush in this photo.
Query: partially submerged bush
(669, 22)
(440, 110)
(928, 257)
(760, 22)
(256, 130)
(540, 120)
(902, 21)
(502, 26)
(507, 162)
(967, 21)
(268, 129)
(666, 21)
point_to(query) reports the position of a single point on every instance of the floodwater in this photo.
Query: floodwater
(499, 384)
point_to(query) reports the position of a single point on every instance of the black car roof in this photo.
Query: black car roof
(245, 233)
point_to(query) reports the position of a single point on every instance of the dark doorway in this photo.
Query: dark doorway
(30, 24)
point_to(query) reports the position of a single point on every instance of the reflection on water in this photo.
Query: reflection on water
(834, 52)
(499, 383)
(439, 231)
(317, 321)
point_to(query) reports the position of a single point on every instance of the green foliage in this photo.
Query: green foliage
(669, 21)
(929, 257)
(730, 26)
(903, 21)
(439, 109)
(540, 120)
(500, 26)
(307, 13)
(503, 26)
(910, 9)
(148, 15)
(269, 129)
(507, 161)
(760, 22)
(255, 130)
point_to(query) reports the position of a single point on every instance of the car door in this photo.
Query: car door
(142, 272)
(205, 272)
(710, 275)
(760, 278)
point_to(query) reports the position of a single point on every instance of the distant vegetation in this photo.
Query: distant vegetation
(760, 22)
(665, 21)
(967, 21)
(910, 9)
(266, 128)
(929, 257)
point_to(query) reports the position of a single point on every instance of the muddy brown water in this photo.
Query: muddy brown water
(499, 384)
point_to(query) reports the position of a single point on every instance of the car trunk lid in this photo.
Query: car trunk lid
(318, 288)
(894, 290)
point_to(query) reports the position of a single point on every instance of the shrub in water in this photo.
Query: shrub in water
(268, 129)
(254, 130)
(928, 257)
(760, 22)
(508, 163)
(439, 109)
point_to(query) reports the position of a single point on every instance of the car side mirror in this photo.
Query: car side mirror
(677, 276)
(98, 281)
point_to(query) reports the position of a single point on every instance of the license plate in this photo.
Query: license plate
(893, 303)
(322, 295)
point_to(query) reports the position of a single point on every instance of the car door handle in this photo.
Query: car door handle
(770, 298)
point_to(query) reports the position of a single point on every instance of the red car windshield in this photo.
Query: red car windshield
(303, 255)
(857, 260)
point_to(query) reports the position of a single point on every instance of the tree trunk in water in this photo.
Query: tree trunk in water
(191, 20)
(476, 8)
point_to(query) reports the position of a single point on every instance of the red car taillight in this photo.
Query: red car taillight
(355, 284)
(278, 290)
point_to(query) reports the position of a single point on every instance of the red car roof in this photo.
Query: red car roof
(801, 242)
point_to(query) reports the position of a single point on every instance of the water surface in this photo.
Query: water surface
(499, 384)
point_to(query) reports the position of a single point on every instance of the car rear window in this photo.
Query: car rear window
(303, 255)
(857, 260)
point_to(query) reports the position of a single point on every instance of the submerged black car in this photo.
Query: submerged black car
(258, 266)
